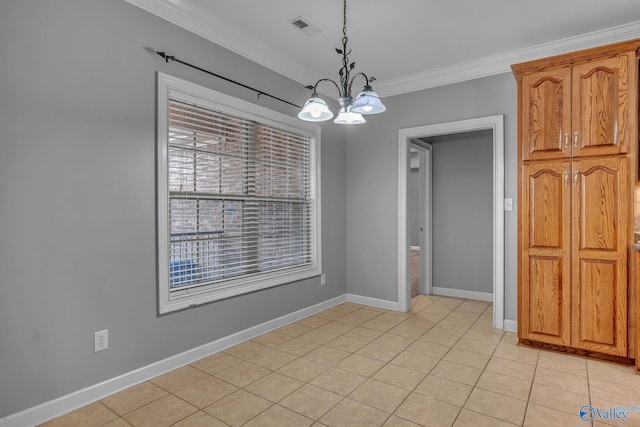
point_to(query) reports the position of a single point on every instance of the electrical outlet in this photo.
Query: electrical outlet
(100, 340)
(323, 279)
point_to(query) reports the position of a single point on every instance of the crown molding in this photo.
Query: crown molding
(214, 29)
(501, 63)
(211, 27)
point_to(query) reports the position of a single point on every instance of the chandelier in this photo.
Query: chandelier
(367, 102)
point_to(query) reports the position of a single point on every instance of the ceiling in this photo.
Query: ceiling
(406, 44)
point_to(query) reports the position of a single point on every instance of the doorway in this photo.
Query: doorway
(420, 216)
(405, 139)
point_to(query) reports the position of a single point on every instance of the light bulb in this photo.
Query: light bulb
(346, 117)
(367, 108)
(315, 110)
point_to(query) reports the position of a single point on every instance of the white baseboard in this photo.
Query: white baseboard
(510, 325)
(374, 302)
(62, 405)
(460, 293)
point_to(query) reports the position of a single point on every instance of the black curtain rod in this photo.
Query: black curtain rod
(167, 58)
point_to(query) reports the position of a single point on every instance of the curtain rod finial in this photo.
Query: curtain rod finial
(162, 54)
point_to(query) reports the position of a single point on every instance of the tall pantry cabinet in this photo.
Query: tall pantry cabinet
(577, 157)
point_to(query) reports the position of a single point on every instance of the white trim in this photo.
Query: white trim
(373, 302)
(189, 92)
(211, 27)
(426, 213)
(62, 405)
(461, 293)
(404, 269)
(496, 124)
(510, 325)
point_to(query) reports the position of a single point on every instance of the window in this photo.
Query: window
(237, 196)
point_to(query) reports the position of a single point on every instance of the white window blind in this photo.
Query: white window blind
(240, 196)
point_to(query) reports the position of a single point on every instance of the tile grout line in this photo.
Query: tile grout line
(476, 382)
(533, 381)
(343, 398)
(393, 413)
(387, 363)
(440, 359)
(586, 362)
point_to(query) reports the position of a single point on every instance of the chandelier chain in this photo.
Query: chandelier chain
(344, 19)
(344, 74)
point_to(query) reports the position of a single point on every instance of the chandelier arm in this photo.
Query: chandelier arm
(327, 80)
(359, 75)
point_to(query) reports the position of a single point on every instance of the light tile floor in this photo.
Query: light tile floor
(442, 364)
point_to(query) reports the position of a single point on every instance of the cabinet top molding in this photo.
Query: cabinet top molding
(576, 57)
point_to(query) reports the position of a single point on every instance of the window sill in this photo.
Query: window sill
(179, 300)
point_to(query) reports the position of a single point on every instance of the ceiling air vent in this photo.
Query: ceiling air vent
(303, 25)
(300, 23)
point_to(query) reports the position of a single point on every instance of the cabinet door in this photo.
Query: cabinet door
(545, 244)
(600, 107)
(545, 120)
(599, 255)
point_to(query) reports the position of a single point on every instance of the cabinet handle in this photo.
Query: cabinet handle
(575, 176)
(566, 140)
(566, 178)
(575, 140)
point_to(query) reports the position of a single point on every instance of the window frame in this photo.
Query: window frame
(169, 86)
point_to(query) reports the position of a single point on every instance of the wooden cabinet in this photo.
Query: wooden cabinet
(574, 253)
(577, 127)
(575, 111)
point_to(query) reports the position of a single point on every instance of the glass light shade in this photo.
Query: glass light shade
(346, 117)
(315, 110)
(368, 102)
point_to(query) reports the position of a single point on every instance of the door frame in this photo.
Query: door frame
(405, 136)
(425, 213)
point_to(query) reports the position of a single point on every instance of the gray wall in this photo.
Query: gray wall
(462, 197)
(77, 193)
(372, 178)
(77, 196)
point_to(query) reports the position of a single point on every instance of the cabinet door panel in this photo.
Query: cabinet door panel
(545, 245)
(598, 303)
(545, 190)
(599, 256)
(548, 315)
(599, 204)
(546, 112)
(600, 107)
